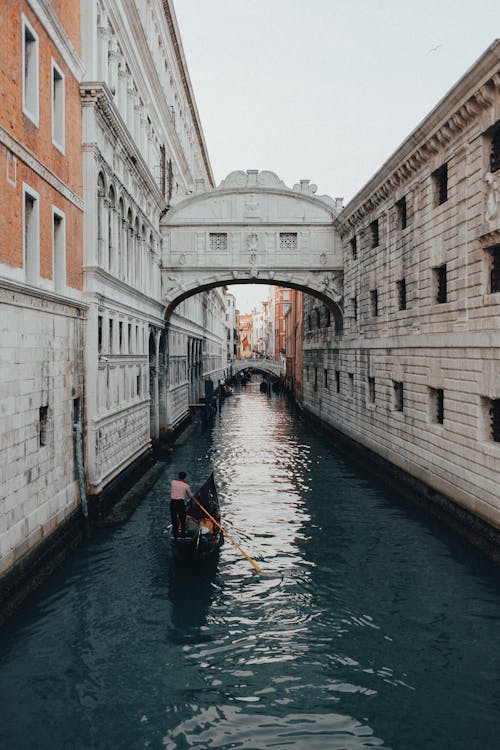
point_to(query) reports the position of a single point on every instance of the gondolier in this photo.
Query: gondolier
(179, 492)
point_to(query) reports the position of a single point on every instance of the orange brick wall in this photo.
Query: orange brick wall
(38, 140)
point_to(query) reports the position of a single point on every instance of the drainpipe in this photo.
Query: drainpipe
(77, 438)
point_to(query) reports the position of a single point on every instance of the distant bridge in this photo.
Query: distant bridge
(262, 365)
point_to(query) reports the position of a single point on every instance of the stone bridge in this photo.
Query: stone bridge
(269, 366)
(252, 229)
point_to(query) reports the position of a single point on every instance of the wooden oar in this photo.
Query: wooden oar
(252, 562)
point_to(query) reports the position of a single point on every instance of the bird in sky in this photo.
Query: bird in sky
(434, 49)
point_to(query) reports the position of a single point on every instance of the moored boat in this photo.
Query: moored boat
(204, 537)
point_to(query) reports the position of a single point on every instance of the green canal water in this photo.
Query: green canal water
(377, 627)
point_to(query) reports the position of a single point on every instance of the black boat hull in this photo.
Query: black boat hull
(203, 537)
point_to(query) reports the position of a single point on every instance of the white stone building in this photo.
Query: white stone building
(143, 152)
(415, 375)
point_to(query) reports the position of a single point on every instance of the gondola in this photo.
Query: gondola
(203, 537)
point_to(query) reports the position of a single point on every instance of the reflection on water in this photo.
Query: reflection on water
(376, 627)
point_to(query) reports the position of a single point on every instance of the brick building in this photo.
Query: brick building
(42, 312)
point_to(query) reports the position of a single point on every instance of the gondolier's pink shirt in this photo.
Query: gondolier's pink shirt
(178, 489)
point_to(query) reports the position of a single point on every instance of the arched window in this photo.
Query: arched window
(130, 247)
(121, 236)
(101, 220)
(111, 230)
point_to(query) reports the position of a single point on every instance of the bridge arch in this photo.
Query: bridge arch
(253, 229)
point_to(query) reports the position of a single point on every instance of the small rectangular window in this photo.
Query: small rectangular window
(43, 418)
(218, 242)
(440, 180)
(401, 293)
(371, 389)
(59, 249)
(337, 381)
(325, 371)
(288, 240)
(354, 307)
(120, 337)
(401, 209)
(374, 233)
(110, 343)
(494, 269)
(354, 247)
(351, 384)
(31, 235)
(374, 302)
(398, 390)
(436, 405)
(30, 71)
(99, 333)
(440, 282)
(315, 378)
(130, 338)
(58, 108)
(494, 415)
(495, 150)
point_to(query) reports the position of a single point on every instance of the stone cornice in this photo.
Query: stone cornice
(27, 295)
(97, 94)
(181, 61)
(446, 121)
(55, 30)
(138, 72)
(28, 158)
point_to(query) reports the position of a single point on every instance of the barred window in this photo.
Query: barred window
(440, 276)
(371, 390)
(218, 241)
(315, 378)
(440, 179)
(374, 233)
(43, 425)
(354, 307)
(494, 269)
(495, 150)
(401, 292)
(354, 247)
(437, 405)
(288, 240)
(374, 302)
(337, 381)
(402, 217)
(494, 414)
(398, 390)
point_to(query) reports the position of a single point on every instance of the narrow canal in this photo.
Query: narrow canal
(380, 628)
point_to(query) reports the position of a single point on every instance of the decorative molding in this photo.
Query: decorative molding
(56, 32)
(186, 83)
(96, 95)
(432, 141)
(22, 153)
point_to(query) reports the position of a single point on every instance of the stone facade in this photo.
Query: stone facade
(414, 376)
(143, 153)
(42, 313)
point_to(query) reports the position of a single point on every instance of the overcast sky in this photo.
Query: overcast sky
(321, 89)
